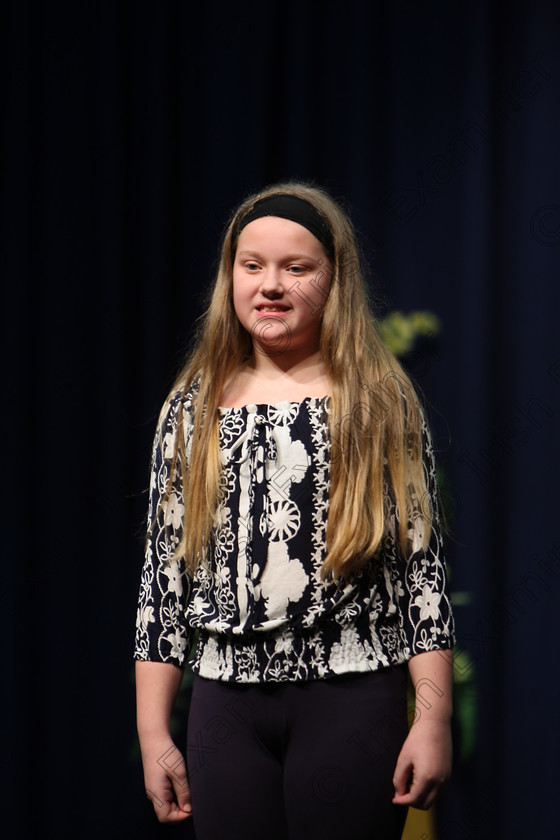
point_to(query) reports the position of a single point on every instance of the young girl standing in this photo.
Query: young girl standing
(294, 533)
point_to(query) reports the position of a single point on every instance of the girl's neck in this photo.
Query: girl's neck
(269, 379)
(272, 368)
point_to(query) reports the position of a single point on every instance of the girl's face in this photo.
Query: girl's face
(281, 279)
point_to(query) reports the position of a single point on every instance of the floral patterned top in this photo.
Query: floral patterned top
(259, 610)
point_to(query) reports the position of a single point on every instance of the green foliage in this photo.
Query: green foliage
(400, 331)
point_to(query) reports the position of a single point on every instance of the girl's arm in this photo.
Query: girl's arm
(424, 763)
(157, 685)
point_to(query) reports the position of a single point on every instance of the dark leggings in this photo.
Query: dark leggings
(297, 760)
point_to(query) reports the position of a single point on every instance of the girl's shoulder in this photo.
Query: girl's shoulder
(180, 399)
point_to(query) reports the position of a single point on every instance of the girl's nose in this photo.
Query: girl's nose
(272, 281)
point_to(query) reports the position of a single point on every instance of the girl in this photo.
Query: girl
(294, 532)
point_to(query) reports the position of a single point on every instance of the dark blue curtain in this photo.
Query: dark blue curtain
(129, 132)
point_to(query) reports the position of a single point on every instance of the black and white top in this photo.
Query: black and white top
(258, 609)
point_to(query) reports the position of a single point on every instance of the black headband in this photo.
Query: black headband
(291, 207)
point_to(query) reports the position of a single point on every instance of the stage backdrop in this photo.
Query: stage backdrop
(129, 132)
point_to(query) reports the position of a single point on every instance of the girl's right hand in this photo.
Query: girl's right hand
(165, 777)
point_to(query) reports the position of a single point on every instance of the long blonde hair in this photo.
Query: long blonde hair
(375, 418)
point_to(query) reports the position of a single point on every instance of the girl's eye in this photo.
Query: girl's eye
(297, 269)
(251, 266)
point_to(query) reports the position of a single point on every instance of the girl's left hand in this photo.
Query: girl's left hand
(424, 764)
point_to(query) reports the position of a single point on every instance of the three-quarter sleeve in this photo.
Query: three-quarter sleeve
(162, 634)
(425, 603)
